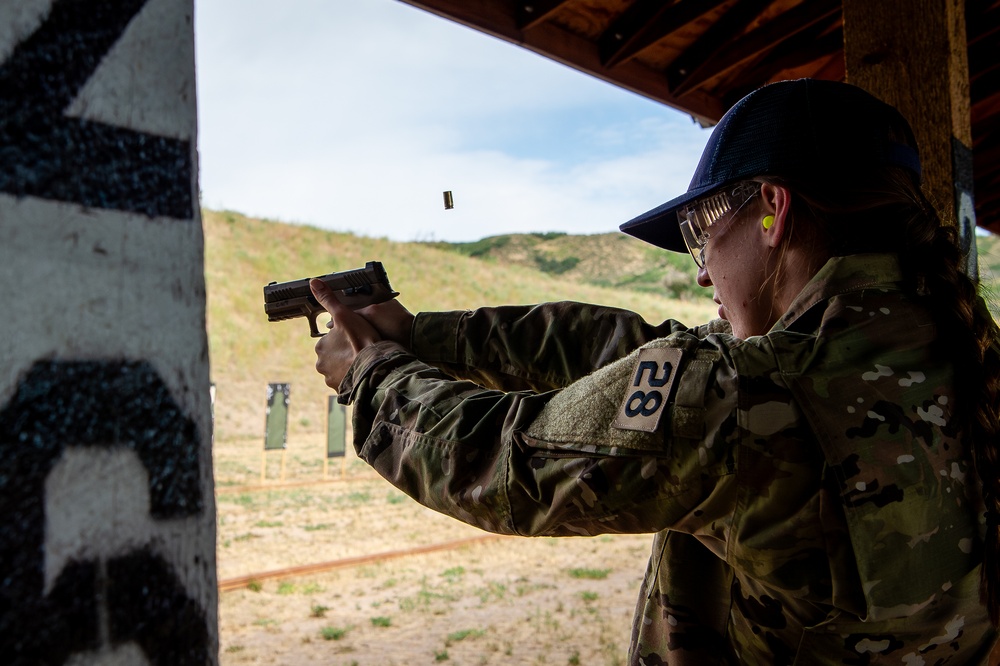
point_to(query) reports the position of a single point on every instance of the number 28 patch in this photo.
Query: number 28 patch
(647, 393)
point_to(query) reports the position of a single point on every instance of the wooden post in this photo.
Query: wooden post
(913, 55)
(107, 533)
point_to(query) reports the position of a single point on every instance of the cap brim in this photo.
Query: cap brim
(659, 226)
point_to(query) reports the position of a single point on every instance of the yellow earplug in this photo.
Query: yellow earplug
(767, 221)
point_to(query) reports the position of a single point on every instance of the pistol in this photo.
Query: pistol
(355, 289)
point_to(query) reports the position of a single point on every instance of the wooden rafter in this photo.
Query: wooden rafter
(529, 13)
(808, 46)
(637, 42)
(984, 90)
(727, 28)
(752, 45)
(645, 23)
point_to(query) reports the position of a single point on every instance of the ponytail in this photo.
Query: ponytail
(932, 255)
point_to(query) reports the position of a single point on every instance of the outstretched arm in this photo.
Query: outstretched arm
(511, 348)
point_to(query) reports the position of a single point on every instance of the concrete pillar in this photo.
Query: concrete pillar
(913, 54)
(107, 517)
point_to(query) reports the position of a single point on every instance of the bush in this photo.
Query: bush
(555, 266)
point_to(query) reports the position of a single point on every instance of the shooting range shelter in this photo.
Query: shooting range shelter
(935, 60)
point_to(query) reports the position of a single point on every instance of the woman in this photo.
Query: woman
(808, 462)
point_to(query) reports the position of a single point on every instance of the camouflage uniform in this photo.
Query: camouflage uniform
(811, 498)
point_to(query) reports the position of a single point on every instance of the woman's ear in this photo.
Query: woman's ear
(775, 203)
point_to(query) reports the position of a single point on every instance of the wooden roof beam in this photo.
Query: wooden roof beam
(576, 51)
(983, 50)
(725, 30)
(987, 149)
(749, 46)
(805, 47)
(981, 22)
(529, 13)
(646, 22)
(984, 92)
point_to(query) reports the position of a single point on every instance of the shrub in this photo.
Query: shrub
(332, 633)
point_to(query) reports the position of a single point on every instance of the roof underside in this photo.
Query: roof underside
(701, 56)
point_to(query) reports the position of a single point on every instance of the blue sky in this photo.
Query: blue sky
(357, 115)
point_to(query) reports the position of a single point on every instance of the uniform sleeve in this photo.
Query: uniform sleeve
(538, 347)
(560, 462)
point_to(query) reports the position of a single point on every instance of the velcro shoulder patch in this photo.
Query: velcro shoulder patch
(647, 394)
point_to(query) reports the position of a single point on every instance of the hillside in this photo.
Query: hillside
(637, 266)
(242, 254)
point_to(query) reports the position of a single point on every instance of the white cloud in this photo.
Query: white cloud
(356, 116)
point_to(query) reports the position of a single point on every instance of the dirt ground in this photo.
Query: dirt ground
(498, 600)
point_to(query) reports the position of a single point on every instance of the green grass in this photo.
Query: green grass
(356, 498)
(456, 636)
(315, 528)
(246, 537)
(332, 633)
(589, 574)
(243, 499)
(492, 592)
(453, 574)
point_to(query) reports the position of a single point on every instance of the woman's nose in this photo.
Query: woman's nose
(703, 279)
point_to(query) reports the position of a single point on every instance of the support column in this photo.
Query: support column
(107, 527)
(913, 54)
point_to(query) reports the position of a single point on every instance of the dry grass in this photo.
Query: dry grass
(514, 601)
(505, 601)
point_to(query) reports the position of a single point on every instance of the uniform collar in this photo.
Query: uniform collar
(841, 275)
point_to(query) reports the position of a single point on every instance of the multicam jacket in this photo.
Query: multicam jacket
(812, 499)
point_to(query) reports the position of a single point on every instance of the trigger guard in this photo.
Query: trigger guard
(313, 330)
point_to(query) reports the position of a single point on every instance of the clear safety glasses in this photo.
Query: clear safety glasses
(697, 218)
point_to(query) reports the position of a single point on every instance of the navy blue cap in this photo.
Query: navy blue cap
(805, 128)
